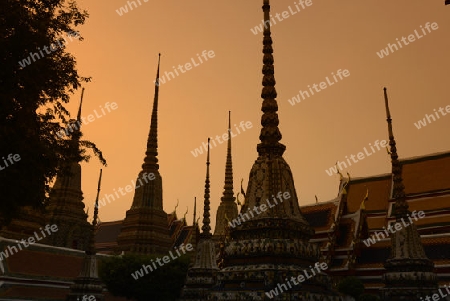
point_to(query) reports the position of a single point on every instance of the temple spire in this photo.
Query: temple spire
(206, 228)
(195, 210)
(88, 282)
(270, 134)
(76, 130)
(151, 160)
(228, 187)
(145, 229)
(79, 108)
(227, 205)
(409, 273)
(91, 248)
(398, 192)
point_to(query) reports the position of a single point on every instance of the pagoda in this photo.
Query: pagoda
(409, 273)
(66, 207)
(145, 229)
(201, 275)
(270, 245)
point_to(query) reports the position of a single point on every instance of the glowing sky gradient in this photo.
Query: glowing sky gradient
(121, 53)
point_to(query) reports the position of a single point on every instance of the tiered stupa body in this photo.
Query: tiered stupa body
(66, 207)
(201, 275)
(145, 229)
(27, 222)
(409, 273)
(272, 246)
(228, 208)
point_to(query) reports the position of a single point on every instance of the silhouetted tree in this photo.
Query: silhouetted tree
(162, 284)
(37, 77)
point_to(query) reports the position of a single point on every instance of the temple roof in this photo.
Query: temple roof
(320, 216)
(108, 231)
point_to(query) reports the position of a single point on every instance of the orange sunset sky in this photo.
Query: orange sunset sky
(121, 54)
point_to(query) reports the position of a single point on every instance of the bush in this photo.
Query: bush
(351, 286)
(163, 284)
(368, 297)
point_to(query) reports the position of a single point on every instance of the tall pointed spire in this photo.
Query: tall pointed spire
(201, 275)
(195, 210)
(270, 134)
(76, 124)
(409, 273)
(66, 207)
(91, 248)
(398, 193)
(145, 229)
(228, 187)
(227, 205)
(151, 160)
(88, 282)
(206, 228)
(75, 132)
(273, 243)
(79, 108)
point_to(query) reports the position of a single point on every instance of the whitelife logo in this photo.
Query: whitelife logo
(318, 266)
(188, 66)
(11, 250)
(77, 124)
(199, 150)
(284, 15)
(35, 55)
(398, 226)
(360, 155)
(166, 259)
(315, 87)
(11, 158)
(129, 188)
(411, 38)
(243, 217)
(423, 122)
(437, 297)
(124, 9)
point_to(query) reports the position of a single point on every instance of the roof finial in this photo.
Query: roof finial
(195, 210)
(151, 160)
(184, 216)
(206, 228)
(228, 187)
(398, 193)
(270, 134)
(176, 206)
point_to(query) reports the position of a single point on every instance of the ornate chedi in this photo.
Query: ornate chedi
(201, 275)
(87, 284)
(271, 245)
(66, 207)
(409, 273)
(228, 207)
(145, 229)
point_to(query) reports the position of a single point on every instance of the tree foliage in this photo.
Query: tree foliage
(163, 284)
(32, 98)
(351, 286)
